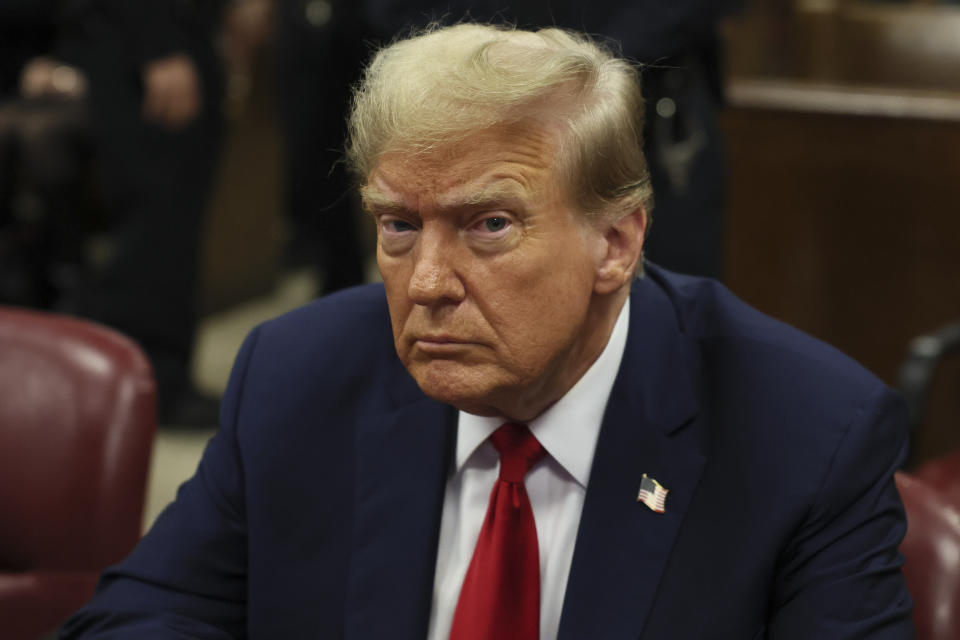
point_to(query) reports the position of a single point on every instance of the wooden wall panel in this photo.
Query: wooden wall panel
(847, 226)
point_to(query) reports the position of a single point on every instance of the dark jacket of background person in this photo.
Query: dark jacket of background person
(153, 179)
(27, 29)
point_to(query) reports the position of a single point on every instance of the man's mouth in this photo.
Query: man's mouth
(440, 344)
(441, 339)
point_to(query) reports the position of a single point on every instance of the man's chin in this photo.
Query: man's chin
(469, 388)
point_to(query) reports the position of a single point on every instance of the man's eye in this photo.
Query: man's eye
(397, 226)
(495, 224)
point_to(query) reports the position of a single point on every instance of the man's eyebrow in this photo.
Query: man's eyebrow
(375, 199)
(502, 191)
(498, 192)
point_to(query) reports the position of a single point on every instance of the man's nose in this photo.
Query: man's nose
(435, 278)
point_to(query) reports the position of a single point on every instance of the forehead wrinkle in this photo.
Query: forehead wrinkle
(518, 159)
(515, 174)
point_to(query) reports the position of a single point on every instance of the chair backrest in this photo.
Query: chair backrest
(932, 551)
(77, 421)
(943, 474)
(926, 356)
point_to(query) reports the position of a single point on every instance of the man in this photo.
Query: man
(520, 439)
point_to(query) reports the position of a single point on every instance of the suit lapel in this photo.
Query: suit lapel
(402, 460)
(649, 427)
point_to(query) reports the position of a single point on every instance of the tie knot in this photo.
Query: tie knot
(519, 450)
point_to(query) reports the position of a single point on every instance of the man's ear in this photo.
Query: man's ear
(624, 246)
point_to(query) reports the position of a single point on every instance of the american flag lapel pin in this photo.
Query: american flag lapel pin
(652, 494)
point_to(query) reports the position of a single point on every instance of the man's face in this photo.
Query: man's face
(489, 272)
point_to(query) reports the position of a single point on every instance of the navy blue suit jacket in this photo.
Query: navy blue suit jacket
(316, 508)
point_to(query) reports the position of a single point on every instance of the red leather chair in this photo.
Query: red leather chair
(77, 421)
(943, 474)
(932, 551)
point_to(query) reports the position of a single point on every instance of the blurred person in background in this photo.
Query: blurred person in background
(320, 48)
(678, 42)
(43, 154)
(150, 80)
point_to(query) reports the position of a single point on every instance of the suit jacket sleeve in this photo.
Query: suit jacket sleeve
(187, 578)
(840, 577)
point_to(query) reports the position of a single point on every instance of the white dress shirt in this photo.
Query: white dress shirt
(557, 487)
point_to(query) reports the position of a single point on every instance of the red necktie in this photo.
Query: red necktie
(500, 597)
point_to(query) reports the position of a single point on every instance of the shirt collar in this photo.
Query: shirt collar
(568, 430)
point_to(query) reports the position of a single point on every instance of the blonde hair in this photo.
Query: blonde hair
(442, 85)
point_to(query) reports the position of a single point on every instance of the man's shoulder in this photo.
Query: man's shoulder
(347, 330)
(761, 380)
(777, 404)
(730, 332)
(331, 319)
